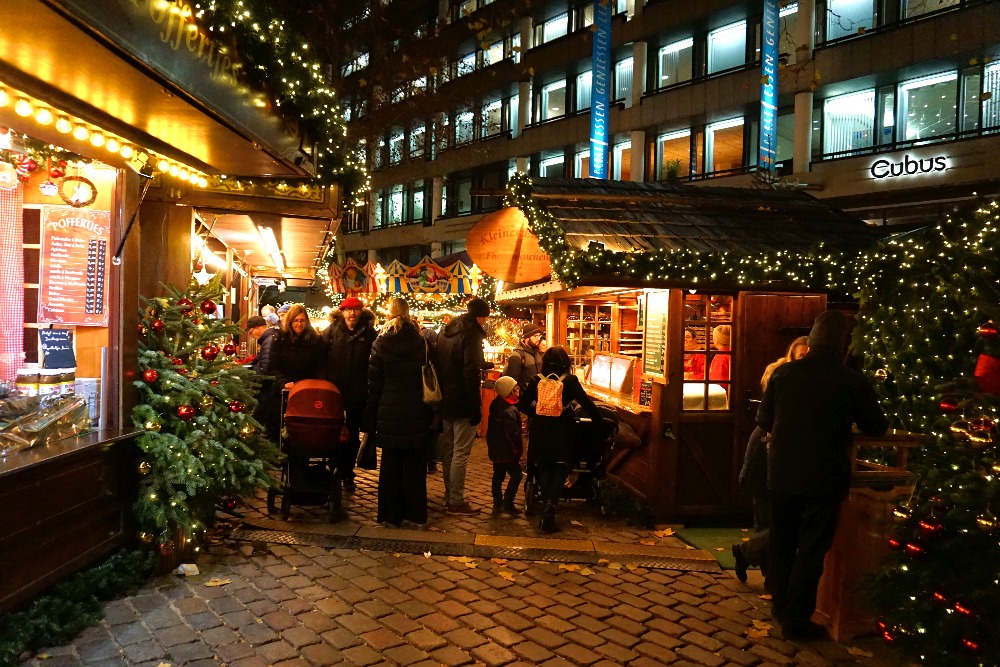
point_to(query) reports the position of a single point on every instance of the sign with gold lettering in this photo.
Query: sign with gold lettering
(503, 247)
(73, 275)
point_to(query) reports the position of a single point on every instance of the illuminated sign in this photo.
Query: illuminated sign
(908, 166)
(600, 89)
(768, 148)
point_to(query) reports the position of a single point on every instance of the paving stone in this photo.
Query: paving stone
(321, 654)
(190, 605)
(251, 661)
(617, 653)
(373, 608)
(358, 623)
(578, 655)
(465, 638)
(382, 639)
(239, 619)
(161, 617)
(341, 638)
(176, 635)
(190, 652)
(700, 656)
(362, 655)
(543, 637)
(317, 621)
(439, 623)
(740, 657)
(405, 655)
(503, 636)
(230, 653)
(203, 621)
(514, 621)
(277, 651)
(280, 620)
(710, 644)
(219, 636)
(415, 608)
(493, 655)
(557, 625)
(452, 656)
(258, 634)
(141, 652)
(300, 636)
(333, 606)
(129, 633)
(584, 638)
(425, 640)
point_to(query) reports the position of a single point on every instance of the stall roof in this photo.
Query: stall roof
(643, 217)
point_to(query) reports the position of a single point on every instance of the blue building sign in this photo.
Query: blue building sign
(600, 89)
(768, 148)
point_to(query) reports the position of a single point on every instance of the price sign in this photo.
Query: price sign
(57, 348)
(654, 338)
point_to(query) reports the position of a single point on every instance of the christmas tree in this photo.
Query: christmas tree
(200, 445)
(928, 334)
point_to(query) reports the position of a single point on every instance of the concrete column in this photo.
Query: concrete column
(634, 9)
(805, 31)
(802, 137)
(437, 195)
(527, 29)
(435, 249)
(639, 51)
(638, 159)
(373, 255)
(523, 115)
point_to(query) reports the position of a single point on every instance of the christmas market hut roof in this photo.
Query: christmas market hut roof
(663, 234)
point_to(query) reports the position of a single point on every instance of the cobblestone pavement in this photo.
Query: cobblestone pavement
(258, 603)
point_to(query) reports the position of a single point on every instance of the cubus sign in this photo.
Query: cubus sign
(908, 166)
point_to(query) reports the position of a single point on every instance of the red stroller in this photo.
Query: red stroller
(313, 433)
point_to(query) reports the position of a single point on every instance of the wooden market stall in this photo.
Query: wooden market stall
(653, 264)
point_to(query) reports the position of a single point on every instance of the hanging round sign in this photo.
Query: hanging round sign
(8, 176)
(503, 247)
(78, 191)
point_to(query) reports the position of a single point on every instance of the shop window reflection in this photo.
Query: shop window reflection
(708, 341)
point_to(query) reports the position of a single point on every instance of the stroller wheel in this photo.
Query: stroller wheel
(272, 494)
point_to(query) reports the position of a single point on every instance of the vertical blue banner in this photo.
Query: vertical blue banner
(768, 147)
(600, 89)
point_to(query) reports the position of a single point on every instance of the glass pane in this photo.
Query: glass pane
(727, 47)
(886, 116)
(467, 65)
(623, 79)
(622, 168)
(417, 137)
(553, 100)
(581, 165)
(848, 122)
(675, 155)
(492, 119)
(494, 54)
(552, 166)
(969, 113)
(583, 89)
(724, 145)
(848, 17)
(512, 104)
(555, 28)
(464, 192)
(913, 8)
(786, 137)
(676, 62)
(928, 106)
(463, 128)
(991, 88)
(788, 20)
(418, 205)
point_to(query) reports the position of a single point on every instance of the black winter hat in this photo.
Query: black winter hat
(478, 308)
(530, 329)
(828, 331)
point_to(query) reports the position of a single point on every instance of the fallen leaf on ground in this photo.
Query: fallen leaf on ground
(569, 567)
(720, 548)
(427, 554)
(614, 566)
(745, 539)
(688, 546)
(574, 522)
(434, 529)
(397, 554)
(648, 543)
(499, 561)
(472, 564)
(586, 571)
(761, 624)
(460, 559)
(744, 530)
(666, 532)
(215, 581)
(631, 568)
(765, 596)
(506, 574)
(859, 652)
(42, 656)
(164, 664)
(603, 561)
(757, 633)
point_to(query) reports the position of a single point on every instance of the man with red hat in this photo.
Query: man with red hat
(349, 341)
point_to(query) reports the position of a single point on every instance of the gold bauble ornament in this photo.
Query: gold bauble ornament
(247, 432)
(987, 523)
(206, 402)
(881, 375)
(145, 537)
(144, 468)
(152, 425)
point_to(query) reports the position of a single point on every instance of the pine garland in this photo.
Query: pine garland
(75, 604)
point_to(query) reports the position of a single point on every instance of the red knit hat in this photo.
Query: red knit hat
(351, 302)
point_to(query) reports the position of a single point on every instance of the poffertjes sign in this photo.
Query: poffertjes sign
(503, 247)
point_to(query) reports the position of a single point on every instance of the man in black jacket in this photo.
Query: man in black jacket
(808, 407)
(349, 341)
(526, 360)
(460, 361)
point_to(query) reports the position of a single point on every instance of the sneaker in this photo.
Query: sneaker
(511, 509)
(741, 564)
(464, 508)
(497, 508)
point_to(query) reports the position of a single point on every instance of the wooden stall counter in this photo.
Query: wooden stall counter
(862, 532)
(65, 505)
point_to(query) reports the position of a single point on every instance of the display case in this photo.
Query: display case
(629, 338)
(588, 330)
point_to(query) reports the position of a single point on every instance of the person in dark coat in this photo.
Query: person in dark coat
(348, 342)
(297, 353)
(808, 408)
(526, 359)
(397, 417)
(266, 410)
(550, 439)
(504, 446)
(459, 360)
(433, 455)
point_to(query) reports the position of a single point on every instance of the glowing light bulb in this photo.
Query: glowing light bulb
(97, 139)
(4, 97)
(44, 116)
(127, 151)
(81, 132)
(23, 107)
(112, 145)
(63, 125)
(174, 170)
(163, 166)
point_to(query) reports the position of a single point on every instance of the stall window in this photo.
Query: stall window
(708, 343)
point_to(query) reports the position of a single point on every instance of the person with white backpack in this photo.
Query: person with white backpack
(546, 401)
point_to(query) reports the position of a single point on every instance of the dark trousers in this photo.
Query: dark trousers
(551, 477)
(500, 471)
(802, 531)
(757, 549)
(349, 450)
(402, 486)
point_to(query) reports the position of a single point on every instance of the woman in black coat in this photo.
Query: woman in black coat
(398, 419)
(297, 353)
(550, 439)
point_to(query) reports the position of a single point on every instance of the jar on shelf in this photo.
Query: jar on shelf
(48, 381)
(26, 383)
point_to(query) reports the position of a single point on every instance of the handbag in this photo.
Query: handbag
(432, 389)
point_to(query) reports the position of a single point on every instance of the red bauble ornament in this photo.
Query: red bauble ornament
(183, 371)
(150, 375)
(236, 406)
(989, 330)
(156, 325)
(176, 361)
(230, 349)
(185, 412)
(142, 330)
(231, 503)
(210, 352)
(930, 525)
(186, 304)
(57, 172)
(988, 374)
(948, 405)
(208, 307)
(214, 383)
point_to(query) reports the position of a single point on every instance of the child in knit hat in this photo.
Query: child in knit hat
(503, 441)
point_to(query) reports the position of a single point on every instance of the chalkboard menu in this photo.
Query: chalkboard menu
(57, 348)
(654, 339)
(73, 274)
(646, 392)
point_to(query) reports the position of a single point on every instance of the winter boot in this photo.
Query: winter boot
(547, 524)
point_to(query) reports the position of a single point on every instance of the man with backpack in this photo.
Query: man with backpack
(526, 360)
(460, 361)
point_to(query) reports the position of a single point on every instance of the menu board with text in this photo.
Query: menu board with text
(73, 273)
(654, 335)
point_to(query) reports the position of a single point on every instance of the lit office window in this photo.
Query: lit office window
(515, 48)
(378, 160)
(585, 16)
(378, 219)
(849, 122)
(727, 47)
(418, 201)
(785, 135)
(583, 90)
(396, 148)
(676, 62)
(492, 119)
(581, 164)
(395, 205)
(673, 152)
(463, 127)
(913, 8)
(513, 104)
(621, 157)
(724, 145)
(463, 190)
(553, 100)
(927, 106)
(848, 17)
(493, 54)
(991, 107)
(787, 22)
(418, 86)
(551, 166)
(554, 28)
(418, 139)
(466, 65)
(623, 79)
